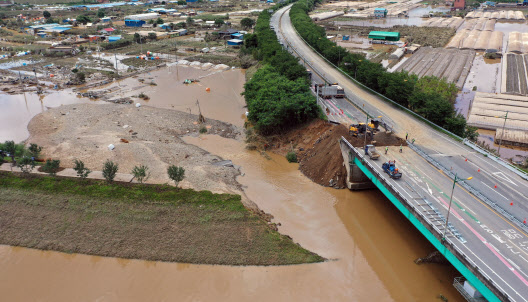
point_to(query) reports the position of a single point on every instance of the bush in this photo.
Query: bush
(291, 157)
(141, 173)
(51, 166)
(176, 173)
(81, 170)
(203, 130)
(110, 170)
(26, 164)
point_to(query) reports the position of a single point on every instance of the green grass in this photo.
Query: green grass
(153, 222)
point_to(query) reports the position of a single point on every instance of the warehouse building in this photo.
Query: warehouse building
(384, 36)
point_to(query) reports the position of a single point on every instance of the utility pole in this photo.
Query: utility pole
(502, 134)
(450, 201)
(115, 57)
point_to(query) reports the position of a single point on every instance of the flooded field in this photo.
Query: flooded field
(415, 18)
(485, 76)
(17, 110)
(488, 138)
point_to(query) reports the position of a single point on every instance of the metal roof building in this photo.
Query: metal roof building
(384, 35)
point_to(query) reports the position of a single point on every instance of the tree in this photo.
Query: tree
(110, 170)
(176, 173)
(26, 164)
(181, 2)
(34, 150)
(10, 148)
(471, 133)
(80, 77)
(141, 173)
(46, 14)
(159, 21)
(101, 13)
(137, 38)
(189, 21)
(219, 22)
(51, 166)
(152, 36)
(83, 19)
(81, 170)
(247, 23)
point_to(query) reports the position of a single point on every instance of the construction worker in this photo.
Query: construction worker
(406, 135)
(413, 141)
(401, 148)
(386, 150)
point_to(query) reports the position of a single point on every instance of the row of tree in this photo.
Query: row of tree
(430, 97)
(25, 159)
(278, 95)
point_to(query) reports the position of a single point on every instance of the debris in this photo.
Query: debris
(111, 147)
(138, 105)
(124, 141)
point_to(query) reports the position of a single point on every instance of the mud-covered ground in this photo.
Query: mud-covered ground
(317, 147)
(141, 136)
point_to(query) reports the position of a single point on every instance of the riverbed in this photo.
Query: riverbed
(369, 245)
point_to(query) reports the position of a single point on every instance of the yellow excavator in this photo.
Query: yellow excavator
(370, 128)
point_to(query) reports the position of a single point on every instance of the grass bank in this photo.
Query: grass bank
(152, 222)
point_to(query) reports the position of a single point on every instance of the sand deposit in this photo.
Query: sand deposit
(141, 136)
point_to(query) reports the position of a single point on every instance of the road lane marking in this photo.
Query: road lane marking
(496, 191)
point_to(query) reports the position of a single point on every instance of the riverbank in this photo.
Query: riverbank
(151, 222)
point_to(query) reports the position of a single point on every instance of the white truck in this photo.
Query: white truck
(370, 150)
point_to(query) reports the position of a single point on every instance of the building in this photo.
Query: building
(6, 3)
(147, 16)
(384, 36)
(459, 5)
(227, 33)
(380, 12)
(235, 42)
(134, 23)
(107, 30)
(238, 36)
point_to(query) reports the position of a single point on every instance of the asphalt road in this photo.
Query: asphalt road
(498, 246)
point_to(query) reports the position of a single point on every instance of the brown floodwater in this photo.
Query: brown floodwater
(369, 245)
(17, 110)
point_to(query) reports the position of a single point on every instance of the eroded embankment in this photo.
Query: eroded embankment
(318, 151)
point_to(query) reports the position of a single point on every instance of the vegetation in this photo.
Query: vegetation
(110, 170)
(26, 164)
(291, 157)
(247, 23)
(51, 166)
(278, 95)
(176, 174)
(429, 97)
(153, 222)
(81, 170)
(141, 173)
(203, 130)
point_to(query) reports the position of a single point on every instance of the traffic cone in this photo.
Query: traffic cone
(478, 170)
(524, 221)
(495, 186)
(511, 203)
(466, 159)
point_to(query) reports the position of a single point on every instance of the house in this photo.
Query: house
(106, 19)
(459, 5)
(237, 36)
(134, 23)
(114, 38)
(380, 12)
(107, 31)
(6, 3)
(227, 32)
(181, 32)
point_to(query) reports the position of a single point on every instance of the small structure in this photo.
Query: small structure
(66, 49)
(106, 19)
(134, 23)
(346, 38)
(459, 5)
(107, 30)
(237, 36)
(114, 38)
(227, 32)
(235, 42)
(518, 138)
(397, 54)
(384, 36)
(380, 12)
(181, 32)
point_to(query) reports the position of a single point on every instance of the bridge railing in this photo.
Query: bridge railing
(433, 229)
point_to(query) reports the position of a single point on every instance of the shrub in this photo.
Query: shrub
(110, 170)
(81, 170)
(176, 173)
(26, 164)
(291, 157)
(51, 166)
(141, 173)
(34, 150)
(203, 130)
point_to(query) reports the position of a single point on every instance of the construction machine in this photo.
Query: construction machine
(371, 151)
(361, 128)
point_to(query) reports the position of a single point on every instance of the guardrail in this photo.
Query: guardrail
(361, 108)
(431, 227)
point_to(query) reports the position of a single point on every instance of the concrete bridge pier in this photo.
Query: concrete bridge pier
(356, 179)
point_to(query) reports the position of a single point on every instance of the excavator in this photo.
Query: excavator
(361, 128)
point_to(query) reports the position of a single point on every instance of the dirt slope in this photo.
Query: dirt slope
(318, 152)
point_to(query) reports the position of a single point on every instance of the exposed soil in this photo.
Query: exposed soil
(318, 151)
(141, 136)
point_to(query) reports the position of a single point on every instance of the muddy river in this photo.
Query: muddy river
(370, 245)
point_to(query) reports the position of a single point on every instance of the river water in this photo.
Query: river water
(369, 245)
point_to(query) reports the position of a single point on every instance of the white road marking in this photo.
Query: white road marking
(501, 175)
(495, 191)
